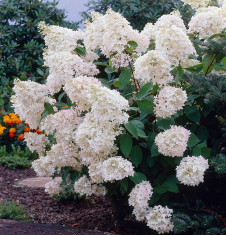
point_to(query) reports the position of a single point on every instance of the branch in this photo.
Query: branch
(210, 65)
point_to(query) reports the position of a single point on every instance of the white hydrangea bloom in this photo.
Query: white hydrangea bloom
(153, 66)
(197, 3)
(28, 101)
(149, 31)
(58, 38)
(96, 139)
(53, 187)
(43, 167)
(86, 187)
(36, 142)
(62, 123)
(169, 20)
(173, 142)
(54, 83)
(108, 105)
(174, 43)
(116, 168)
(139, 197)
(77, 90)
(64, 65)
(169, 101)
(207, 21)
(191, 170)
(224, 8)
(159, 219)
(95, 172)
(65, 154)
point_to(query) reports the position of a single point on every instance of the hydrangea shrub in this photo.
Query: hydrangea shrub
(126, 132)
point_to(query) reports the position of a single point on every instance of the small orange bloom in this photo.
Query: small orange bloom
(26, 129)
(11, 135)
(26, 124)
(10, 122)
(12, 130)
(20, 137)
(38, 131)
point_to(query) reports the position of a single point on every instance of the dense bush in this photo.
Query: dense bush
(17, 157)
(21, 45)
(147, 129)
(11, 210)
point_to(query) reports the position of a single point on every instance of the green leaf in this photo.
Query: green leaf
(138, 177)
(131, 129)
(124, 186)
(133, 44)
(224, 61)
(136, 155)
(138, 124)
(154, 150)
(80, 51)
(160, 189)
(192, 113)
(155, 88)
(202, 133)
(141, 133)
(39, 71)
(109, 70)
(144, 90)
(1, 101)
(101, 63)
(205, 152)
(61, 96)
(124, 77)
(154, 198)
(151, 161)
(49, 108)
(179, 75)
(197, 150)
(164, 124)
(126, 144)
(146, 106)
(151, 140)
(193, 140)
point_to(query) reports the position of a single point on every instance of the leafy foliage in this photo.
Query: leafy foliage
(16, 158)
(11, 210)
(21, 45)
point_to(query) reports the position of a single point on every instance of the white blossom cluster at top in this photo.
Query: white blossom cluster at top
(85, 134)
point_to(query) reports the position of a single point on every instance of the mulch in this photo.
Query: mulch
(95, 213)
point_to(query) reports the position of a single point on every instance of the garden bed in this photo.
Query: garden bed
(95, 213)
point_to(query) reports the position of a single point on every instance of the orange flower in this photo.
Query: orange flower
(26, 124)
(20, 137)
(38, 131)
(65, 107)
(10, 122)
(26, 129)
(12, 130)
(11, 135)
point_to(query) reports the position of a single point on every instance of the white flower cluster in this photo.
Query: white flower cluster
(139, 197)
(153, 66)
(173, 142)
(58, 38)
(197, 4)
(191, 170)
(43, 167)
(62, 123)
(169, 101)
(111, 33)
(84, 186)
(36, 142)
(96, 135)
(65, 65)
(29, 100)
(53, 187)
(78, 89)
(207, 21)
(116, 168)
(159, 219)
(174, 43)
